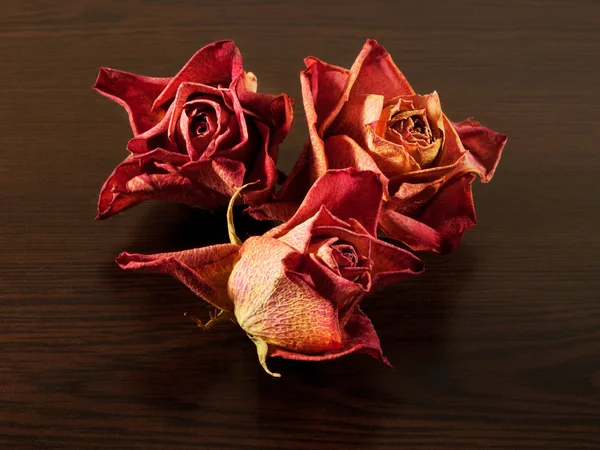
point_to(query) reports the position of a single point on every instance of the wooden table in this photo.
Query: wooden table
(496, 346)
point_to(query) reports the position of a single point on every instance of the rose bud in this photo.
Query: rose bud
(198, 137)
(296, 290)
(370, 118)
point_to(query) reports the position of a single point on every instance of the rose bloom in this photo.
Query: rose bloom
(296, 290)
(370, 118)
(198, 136)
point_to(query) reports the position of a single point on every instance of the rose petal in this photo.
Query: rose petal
(282, 113)
(325, 254)
(440, 226)
(155, 137)
(264, 170)
(201, 146)
(340, 191)
(245, 132)
(432, 174)
(358, 336)
(250, 81)
(360, 240)
(484, 146)
(276, 112)
(373, 72)
(132, 183)
(451, 212)
(299, 236)
(291, 194)
(135, 93)
(391, 264)
(112, 199)
(204, 271)
(409, 197)
(184, 91)
(327, 83)
(219, 174)
(215, 64)
(391, 159)
(355, 115)
(339, 290)
(413, 233)
(317, 165)
(377, 74)
(430, 108)
(343, 152)
(452, 149)
(278, 305)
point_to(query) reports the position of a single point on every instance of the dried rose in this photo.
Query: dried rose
(296, 290)
(370, 118)
(198, 137)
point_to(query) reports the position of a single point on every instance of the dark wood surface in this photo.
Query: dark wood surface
(496, 346)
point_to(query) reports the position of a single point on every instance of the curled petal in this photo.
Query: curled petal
(343, 152)
(391, 263)
(264, 170)
(155, 137)
(131, 184)
(452, 149)
(282, 113)
(410, 197)
(291, 194)
(216, 64)
(344, 293)
(219, 174)
(373, 72)
(276, 112)
(317, 159)
(182, 96)
(251, 81)
(430, 175)
(162, 156)
(378, 74)
(358, 336)
(340, 191)
(326, 83)
(440, 224)
(113, 195)
(204, 270)
(413, 233)
(135, 93)
(484, 146)
(299, 237)
(451, 212)
(355, 115)
(360, 240)
(392, 159)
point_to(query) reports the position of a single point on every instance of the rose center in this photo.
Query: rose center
(199, 124)
(347, 255)
(411, 127)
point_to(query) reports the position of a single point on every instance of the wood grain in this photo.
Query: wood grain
(496, 346)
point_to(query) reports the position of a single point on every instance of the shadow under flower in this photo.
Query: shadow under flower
(180, 365)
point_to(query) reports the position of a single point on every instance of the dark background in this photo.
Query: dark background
(496, 346)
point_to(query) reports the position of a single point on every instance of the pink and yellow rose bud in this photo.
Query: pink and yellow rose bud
(296, 290)
(370, 118)
(198, 136)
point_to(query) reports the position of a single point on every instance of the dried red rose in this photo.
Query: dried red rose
(370, 118)
(198, 137)
(296, 290)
